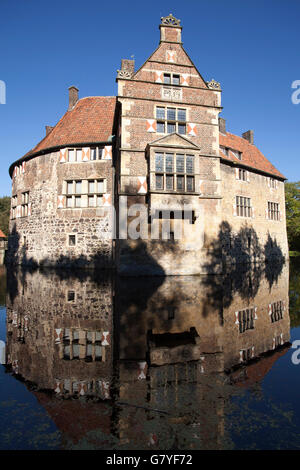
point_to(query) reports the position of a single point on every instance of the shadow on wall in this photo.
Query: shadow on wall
(241, 254)
(246, 262)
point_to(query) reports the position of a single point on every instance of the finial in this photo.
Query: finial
(170, 20)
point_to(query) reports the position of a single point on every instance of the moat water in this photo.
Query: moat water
(93, 361)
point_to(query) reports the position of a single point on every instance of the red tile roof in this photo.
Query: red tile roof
(2, 234)
(90, 121)
(251, 156)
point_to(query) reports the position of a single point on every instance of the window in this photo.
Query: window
(14, 203)
(72, 240)
(96, 153)
(277, 341)
(243, 206)
(71, 296)
(242, 174)
(276, 311)
(171, 120)
(272, 183)
(246, 354)
(273, 211)
(246, 320)
(174, 172)
(84, 193)
(25, 202)
(237, 154)
(225, 150)
(78, 155)
(75, 155)
(92, 350)
(171, 79)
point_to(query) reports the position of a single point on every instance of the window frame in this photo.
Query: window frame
(168, 170)
(273, 211)
(165, 121)
(85, 195)
(243, 210)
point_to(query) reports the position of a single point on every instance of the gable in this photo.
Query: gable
(174, 140)
(170, 58)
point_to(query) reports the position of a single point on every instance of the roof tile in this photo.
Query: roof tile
(251, 156)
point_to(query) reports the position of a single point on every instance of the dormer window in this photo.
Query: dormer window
(225, 150)
(237, 154)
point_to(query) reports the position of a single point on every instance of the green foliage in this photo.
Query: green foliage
(4, 214)
(295, 293)
(292, 202)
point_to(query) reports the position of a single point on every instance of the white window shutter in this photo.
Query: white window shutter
(236, 173)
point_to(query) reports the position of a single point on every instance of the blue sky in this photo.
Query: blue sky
(250, 47)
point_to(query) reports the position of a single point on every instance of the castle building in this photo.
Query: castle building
(155, 159)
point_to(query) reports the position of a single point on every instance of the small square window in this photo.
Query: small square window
(171, 127)
(91, 201)
(190, 183)
(100, 186)
(71, 154)
(181, 115)
(171, 114)
(91, 187)
(78, 155)
(159, 181)
(72, 240)
(180, 183)
(176, 80)
(78, 187)
(181, 129)
(160, 127)
(100, 152)
(160, 113)
(69, 187)
(169, 182)
(78, 201)
(93, 154)
(167, 78)
(71, 296)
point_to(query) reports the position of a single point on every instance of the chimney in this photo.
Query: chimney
(48, 129)
(222, 125)
(170, 29)
(73, 96)
(249, 135)
(127, 65)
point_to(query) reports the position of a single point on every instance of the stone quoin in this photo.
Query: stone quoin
(160, 143)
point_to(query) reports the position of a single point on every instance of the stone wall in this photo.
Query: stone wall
(252, 238)
(42, 237)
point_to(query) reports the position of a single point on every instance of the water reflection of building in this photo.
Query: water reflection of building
(164, 353)
(59, 333)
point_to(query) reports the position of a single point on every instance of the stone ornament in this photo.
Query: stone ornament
(171, 56)
(172, 93)
(170, 20)
(214, 84)
(124, 74)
